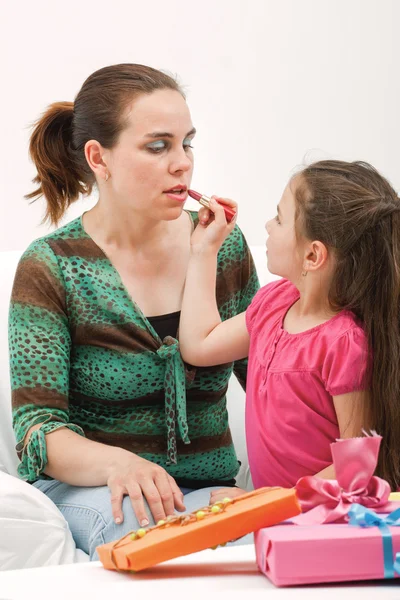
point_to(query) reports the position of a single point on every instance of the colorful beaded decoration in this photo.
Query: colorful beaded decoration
(199, 515)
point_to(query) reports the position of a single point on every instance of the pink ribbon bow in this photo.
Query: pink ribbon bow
(329, 500)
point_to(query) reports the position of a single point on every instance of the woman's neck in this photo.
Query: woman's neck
(134, 232)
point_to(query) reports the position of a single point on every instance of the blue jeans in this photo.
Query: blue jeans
(88, 512)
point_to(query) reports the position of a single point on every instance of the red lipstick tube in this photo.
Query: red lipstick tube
(205, 201)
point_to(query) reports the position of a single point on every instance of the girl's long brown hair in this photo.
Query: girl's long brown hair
(355, 212)
(59, 136)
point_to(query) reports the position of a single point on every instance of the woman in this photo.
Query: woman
(107, 416)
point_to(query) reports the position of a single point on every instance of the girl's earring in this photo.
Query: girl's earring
(304, 273)
(107, 176)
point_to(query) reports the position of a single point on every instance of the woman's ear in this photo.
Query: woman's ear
(95, 156)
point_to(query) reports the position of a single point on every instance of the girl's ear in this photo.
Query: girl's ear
(315, 256)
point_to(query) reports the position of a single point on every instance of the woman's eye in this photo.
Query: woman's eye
(277, 220)
(156, 146)
(187, 144)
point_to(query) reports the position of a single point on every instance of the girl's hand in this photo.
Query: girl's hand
(139, 478)
(231, 492)
(213, 227)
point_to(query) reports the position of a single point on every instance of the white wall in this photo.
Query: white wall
(268, 81)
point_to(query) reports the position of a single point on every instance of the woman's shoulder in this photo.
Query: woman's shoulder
(43, 254)
(72, 230)
(68, 241)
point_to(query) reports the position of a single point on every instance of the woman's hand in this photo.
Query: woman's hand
(139, 478)
(231, 492)
(213, 227)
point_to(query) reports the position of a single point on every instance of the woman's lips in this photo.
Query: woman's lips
(178, 197)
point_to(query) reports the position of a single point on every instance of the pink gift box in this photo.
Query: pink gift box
(295, 554)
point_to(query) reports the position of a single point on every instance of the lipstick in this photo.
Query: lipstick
(205, 201)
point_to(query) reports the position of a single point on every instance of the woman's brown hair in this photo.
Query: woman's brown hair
(59, 136)
(355, 212)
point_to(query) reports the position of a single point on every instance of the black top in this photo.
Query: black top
(166, 324)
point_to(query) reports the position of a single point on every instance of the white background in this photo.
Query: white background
(270, 83)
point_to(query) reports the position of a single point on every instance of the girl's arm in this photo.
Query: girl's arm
(204, 339)
(350, 414)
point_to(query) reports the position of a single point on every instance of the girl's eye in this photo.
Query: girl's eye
(156, 147)
(277, 220)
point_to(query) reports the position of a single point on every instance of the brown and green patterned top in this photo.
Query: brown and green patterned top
(83, 355)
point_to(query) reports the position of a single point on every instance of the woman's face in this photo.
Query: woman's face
(152, 163)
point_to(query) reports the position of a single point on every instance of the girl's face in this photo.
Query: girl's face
(152, 157)
(285, 256)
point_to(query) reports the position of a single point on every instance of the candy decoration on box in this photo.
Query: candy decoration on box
(328, 500)
(198, 515)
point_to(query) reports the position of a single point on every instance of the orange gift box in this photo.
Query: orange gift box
(206, 528)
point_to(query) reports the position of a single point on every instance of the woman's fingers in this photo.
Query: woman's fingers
(143, 480)
(178, 496)
(135, 494)
(163, 485)
(117, 494)
(153, 497)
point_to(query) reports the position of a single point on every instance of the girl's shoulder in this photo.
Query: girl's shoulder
(279, 292)
(278, 295)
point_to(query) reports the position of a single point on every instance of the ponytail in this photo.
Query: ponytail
(60, 178)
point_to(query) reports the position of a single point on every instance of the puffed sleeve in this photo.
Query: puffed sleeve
(347, 363)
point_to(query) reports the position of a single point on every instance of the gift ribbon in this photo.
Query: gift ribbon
(365, 517)
(329, 501)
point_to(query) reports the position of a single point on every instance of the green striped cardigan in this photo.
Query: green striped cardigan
(83, 356)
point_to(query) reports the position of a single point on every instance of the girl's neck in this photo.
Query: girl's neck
(311, 309)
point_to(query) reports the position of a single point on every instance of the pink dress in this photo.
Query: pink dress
(290, 416)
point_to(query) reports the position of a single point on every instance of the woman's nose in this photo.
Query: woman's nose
(268, 226)
(181, 163)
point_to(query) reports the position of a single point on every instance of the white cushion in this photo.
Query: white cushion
(33, 532)
(8, 457)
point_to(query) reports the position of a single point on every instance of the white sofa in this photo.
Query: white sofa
(22, 507)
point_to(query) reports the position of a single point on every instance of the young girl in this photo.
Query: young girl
(323, 341)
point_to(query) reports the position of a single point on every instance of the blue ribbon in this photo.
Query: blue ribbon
(365, 517)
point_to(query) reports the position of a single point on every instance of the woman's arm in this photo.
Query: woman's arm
(204, 339)
(75, 460)
(40, 345)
